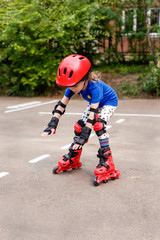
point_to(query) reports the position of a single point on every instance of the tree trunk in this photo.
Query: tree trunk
(148, 33)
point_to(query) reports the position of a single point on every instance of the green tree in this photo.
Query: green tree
(36, 35)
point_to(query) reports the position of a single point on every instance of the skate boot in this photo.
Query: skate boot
(105, 170)
(69, 161)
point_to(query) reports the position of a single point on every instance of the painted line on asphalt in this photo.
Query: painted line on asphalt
(120, 120)
(66, 113)
(66, 146)
(23, 105)
(40, 158)
(116, 114)
(32, 106)
(3, 174)
(92, 135)
(46, 113)
(136, 115)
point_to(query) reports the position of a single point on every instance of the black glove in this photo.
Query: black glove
(83, 138)
(52, 124)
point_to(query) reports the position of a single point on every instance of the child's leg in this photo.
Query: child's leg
(86, 114)
(105, 114)
(105, 169)
(72, 159)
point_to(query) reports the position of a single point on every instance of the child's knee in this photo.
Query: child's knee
(100, 127)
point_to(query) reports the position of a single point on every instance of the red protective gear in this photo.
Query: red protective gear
(99, 127)
(69, 161)
(78, 127)
(72, 70)
(105, 169)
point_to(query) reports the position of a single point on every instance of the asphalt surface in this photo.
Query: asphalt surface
(37, 205)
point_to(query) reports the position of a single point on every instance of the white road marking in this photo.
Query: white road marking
(2, 174)
(71, 113)
(92, 135)
(23, 105)
(32, 106)
(66, 113)
(120, 120)
(39, 158)
(66, 146)
(45, 113)
(136, 115)
(116, 114)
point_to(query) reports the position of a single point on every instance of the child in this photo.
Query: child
(75, 73)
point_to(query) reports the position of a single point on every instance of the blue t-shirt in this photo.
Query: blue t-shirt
(95, 92)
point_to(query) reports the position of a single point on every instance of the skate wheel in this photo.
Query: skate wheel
(54, 171)
(95, 183)
(105, 181)
(113, 178)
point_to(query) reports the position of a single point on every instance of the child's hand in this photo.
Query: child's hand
(45, 134)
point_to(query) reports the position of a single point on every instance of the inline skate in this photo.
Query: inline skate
(105, 170)
(69, 161)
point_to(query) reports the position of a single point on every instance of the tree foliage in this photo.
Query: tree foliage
(35, 35)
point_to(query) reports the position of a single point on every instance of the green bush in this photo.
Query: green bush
(151, 82)
(36, 35)
(147, 84)
(129, 89)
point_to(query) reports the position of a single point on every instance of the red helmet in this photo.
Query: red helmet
(72, 70)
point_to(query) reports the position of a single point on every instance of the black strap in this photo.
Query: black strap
(91, 121)
(95, 110)
(58, 111)
(61, 104)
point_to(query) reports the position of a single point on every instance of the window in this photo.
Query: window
(129, 19)
(154, 20)
(155, 17)
(133, 20)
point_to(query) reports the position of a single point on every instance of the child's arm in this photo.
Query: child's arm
(57, 112)
(92, 115)
(86, 130)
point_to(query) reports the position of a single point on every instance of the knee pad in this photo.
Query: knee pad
(99, 127)
(78, 127)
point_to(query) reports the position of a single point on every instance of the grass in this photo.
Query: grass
(122, 69)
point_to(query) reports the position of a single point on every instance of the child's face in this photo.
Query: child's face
(78, 87)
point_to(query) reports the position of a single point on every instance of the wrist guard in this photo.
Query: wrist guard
(83, 138)
(52, 124)
(58, 111)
